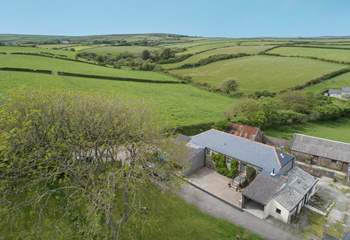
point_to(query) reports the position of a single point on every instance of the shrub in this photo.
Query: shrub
(229, 86)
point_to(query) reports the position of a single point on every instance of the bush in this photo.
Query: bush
(229, 86)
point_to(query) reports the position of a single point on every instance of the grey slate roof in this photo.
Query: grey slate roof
(287, 190)
(254, 153)
(326, 148)
(296, 184)
(263, 188)
(334, 91)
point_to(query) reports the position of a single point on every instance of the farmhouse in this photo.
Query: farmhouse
(328, 154)
(280, 189)
(343, 93)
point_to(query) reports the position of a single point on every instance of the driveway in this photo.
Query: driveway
(219, 209)
(210, 181)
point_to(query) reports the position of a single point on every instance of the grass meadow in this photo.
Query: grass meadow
(37, 62)
(117, 50)
(226, 50)
(176, 104)
(38, 50)
(336, 130)
(336, 82)
(260, 72)
(331, 54)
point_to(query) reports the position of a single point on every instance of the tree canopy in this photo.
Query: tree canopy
(87, 160)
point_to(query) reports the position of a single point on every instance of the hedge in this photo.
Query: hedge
(25, 70)
(117, 78)
(321, 79)
(211, 59)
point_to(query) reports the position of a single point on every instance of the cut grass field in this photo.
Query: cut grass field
(117, 50)
(37, 62)
(37, 50)
(258, 73)
(226, 50)
(331, 54)
(336, 82)
(177, 104)
(336, 130)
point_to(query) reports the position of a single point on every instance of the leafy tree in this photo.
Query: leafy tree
(167, 53)
(86, 160)
(229, 86)
(146, 54)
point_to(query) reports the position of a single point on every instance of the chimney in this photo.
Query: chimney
(273, 174)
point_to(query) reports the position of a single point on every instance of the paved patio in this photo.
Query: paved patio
(217, 185)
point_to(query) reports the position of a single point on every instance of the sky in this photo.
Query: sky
(220, 18)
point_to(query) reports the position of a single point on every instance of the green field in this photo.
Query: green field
(177, 104)
(35, 62)
(66, 53)
(117, 50)
(205, 47)
(331, 54)
(225, 50)
(260, 72)
(337, 82)
(336, 130)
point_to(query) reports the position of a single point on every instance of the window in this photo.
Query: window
(278, 210)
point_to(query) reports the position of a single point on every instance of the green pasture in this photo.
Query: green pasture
(207, 46)
(38, 50)
(331, 54)
(337, 130)
(225, 50)
(37, 62)
(336, 82)
(177, 104)
(258, 73)
(117, 50)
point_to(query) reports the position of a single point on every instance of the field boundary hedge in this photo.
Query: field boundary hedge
(211, 59)
(320, 79)
(324, 47)
(307, 57)
(12, 69)
(126, 79)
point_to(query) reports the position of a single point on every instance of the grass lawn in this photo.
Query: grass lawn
(8, 49)
(260, 72)
(177, 104)
(331, 54)
(168, 218)
(226, 50)
(337, 82)
(181, 221)
(37, 62)
(117, 50)
(335, 130)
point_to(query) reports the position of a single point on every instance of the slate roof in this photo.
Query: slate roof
(296, 184)
(287, 190)
(257, 154)
(326, 148)
(262, 188)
